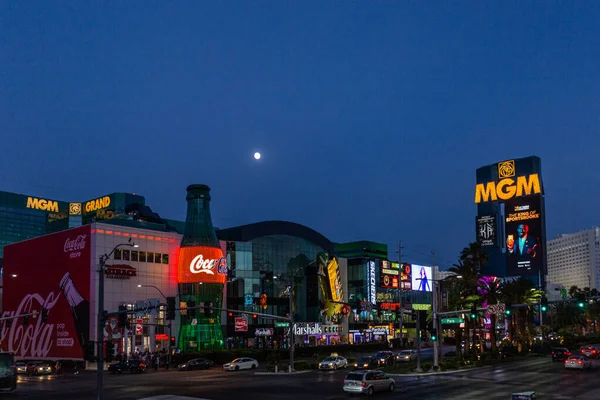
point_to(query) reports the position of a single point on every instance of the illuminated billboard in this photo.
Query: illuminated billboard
(335, 280)
(508, 185)
(406, 277)
(486, 230)
(421, 278)
(524, 236)
(201, 264)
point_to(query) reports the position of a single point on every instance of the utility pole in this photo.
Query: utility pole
(434, 306)
(292, 333)
(418, 342)
(401, 317)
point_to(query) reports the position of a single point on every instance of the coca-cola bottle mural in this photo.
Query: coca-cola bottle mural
(80, 309)
(202, 271)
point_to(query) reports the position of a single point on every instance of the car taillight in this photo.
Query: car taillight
(141, 365)
(363, 384)
(345, 382)
(593, 351)
(552, 353)
(566, 361)
(578, 362)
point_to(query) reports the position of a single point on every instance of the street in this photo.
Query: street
(549, 381)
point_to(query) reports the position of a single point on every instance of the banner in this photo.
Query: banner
(50, 272)
(486, 230)
(335, 280)
(524, 236)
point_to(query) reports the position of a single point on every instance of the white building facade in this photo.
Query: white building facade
(574, 259)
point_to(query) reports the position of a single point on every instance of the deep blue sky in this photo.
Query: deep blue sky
(372, 116)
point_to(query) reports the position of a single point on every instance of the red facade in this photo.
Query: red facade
(51, 272)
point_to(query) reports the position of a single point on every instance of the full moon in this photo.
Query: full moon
(257, 156)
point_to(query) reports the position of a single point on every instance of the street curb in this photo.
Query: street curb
(282, 373)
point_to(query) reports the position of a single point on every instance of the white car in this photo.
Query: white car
(333, 362)
(241, 363)
(406, 355)
(578, 362)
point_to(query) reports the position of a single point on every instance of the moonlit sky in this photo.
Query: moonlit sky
(371, 116)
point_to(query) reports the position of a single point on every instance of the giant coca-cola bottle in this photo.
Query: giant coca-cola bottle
(202, 272)
(80, 309)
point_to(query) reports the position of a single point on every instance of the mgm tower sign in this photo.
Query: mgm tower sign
(510, 222)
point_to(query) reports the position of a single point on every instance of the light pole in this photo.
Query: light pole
(170, 326)
(291, 340)
(435, 324)
(100, 319)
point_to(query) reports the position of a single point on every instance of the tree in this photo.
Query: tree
(521, 291)
(492, 293)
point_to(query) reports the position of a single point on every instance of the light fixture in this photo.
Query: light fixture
(139, 285)
(14, 275)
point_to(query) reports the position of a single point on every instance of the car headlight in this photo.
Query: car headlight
(366, 365)
(331, 364)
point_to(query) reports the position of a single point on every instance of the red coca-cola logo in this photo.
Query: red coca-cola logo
(75, 244)
(35, 339)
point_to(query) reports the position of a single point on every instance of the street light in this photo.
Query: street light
(170, 322)
(290, 284)
(435, 322)
(100, 321)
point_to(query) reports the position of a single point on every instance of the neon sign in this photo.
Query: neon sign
(372, 285)
(42, 204)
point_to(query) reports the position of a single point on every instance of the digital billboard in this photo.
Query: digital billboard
(406, 277)
(421, 277)
(486, 230)
(390, 273)
(524, 236)
(201, 264)
(49, 274)
(335, 280)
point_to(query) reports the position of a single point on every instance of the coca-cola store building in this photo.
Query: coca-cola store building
(59, 273)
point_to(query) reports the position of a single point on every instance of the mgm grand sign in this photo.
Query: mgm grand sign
(508, 186)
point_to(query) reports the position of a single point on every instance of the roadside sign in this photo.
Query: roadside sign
(194, 321)
(241, 325)
(282, 324)
(448, 321)
(499, 308)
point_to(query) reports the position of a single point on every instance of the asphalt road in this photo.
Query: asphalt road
(549, 381)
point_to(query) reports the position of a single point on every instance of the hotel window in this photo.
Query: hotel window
(142, 256)
(157, 258)
(117, 255)
(150, 257)
(126, 255)
(134, 255)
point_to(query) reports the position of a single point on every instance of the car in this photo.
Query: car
(38, 368)
(333, 362)
(578, 362)
(592, 350)
(406, 355)
(367, 362)
(196, 363)
(8, 372)
(368, 382)
(21, 367)
(131, 366)
(385, 358)
(241, 363)
(560, 354)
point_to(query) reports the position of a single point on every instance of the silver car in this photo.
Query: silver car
(406, 355)
(368, 382)
(333, 362)
(578, 362)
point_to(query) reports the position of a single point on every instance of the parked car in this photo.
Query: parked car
(368, 382)
(367, 362)
(592, 350)
(406, 355)
(578, 362)
(241, 363)
(560, 354)
(8, 372)
(131, 366)
(385, 358)
(196, 363)
(333, 362)
(38, 368)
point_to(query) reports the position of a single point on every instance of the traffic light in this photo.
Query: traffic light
(170, 308)
(25, 320)
(44, 315)
(110, 351)
(90, 350)
(230, 314)
(191, 309)
(473, 312)
(434, 335)
(122, 323)
(172, 341)
(254, 316)
(581, 304)
(507, 312)
(544, 304)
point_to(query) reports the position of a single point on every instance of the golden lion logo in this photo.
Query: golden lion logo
(506, 169)
(74, 208)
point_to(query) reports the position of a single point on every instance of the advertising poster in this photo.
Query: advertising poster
(421, 276)
(335, 280)
(53, 273)
(486, 230)
(524, 241)
(406, 277)
(201, 264)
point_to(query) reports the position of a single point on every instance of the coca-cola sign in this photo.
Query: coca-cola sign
(202, 264)
(44, 275)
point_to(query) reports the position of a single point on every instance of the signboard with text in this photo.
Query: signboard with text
(201, 264)
(486, 230)
(524, 236)
(241, 325)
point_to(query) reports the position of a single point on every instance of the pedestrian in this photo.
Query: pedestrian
(58, 368)
(156, 362)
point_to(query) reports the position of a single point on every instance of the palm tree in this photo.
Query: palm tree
(521, 291)
(492, 293)
(475, 255)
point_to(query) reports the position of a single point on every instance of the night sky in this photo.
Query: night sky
(371, 116)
